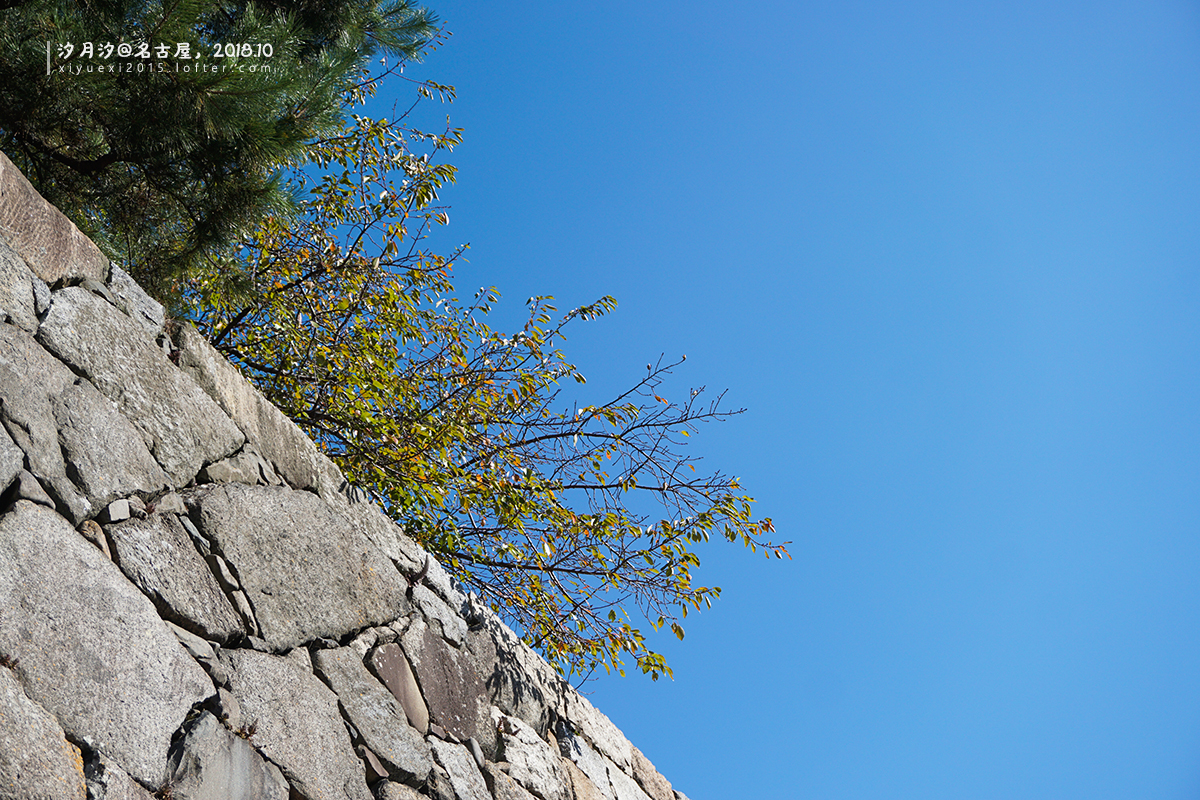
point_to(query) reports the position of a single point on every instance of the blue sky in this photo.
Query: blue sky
(946, 255)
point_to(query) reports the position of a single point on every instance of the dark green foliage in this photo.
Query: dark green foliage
(165, 168)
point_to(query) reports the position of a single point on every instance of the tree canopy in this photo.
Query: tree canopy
(165, 154)
(574, 520)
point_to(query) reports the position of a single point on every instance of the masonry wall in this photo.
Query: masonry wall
(195, 605)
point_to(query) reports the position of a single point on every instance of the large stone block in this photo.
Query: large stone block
(296, 725)
(183, 427)
(307, 572)
(147, 312)
(453, 688)
(157, 554)
(76, 441)
(272, 433)
(211, 763)
(532, 763)
(43, 236)
(649, 778)
(396, 674)
(375, 713)
(465, 778)
(36, 760)
(91, 648)
(16, 290)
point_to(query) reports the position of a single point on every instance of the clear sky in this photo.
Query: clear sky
(948, 256)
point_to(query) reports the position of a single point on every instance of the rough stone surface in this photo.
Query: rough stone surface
(504, 787)
(29, 378)
(397, 791)
(98, 657)
(531, 761)
(105, 455)
(11, 460)
(387, 536)
(596, 728)
(590, 763)
(157, 554)
(625, 787)
(211, 763)
(393, 669)
(465, 777)
(36, 760)
(275, 436)
(28, 488)
(297, 725)
(375, 713)
(46, 240)
(454, 628)
(306, 571)
(652, 783)
(451, 685)
(184, 428)
(516, 678)
(583, 788)
(240, 468)
(141, 308)
(16, 290)
(107, 781)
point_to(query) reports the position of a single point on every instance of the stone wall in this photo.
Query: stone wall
(195, 605)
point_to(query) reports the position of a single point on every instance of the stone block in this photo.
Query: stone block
(297, 725)
(451, 685)
(157, 554)
(98, 657)
(48, 242)
(394, 671)
(147, 312)
(465, 778)
(307, 572)
(17, 301)
(375, 713)
(503, 787)
(274, 435)
(532, 762)
(184, 428)
(649, 778)
(36, 760)
(211, 763)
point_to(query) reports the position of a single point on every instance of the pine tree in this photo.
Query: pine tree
(166, 161)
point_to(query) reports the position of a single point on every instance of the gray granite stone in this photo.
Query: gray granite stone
(465, 778)
(392, 668)
(297, 725)
(12, 460)
(36, 760)
(532, 762)
(649, 778)
(98, 656)
(157, 554)
(450, 682)
(586, 760)
(106, 780)
(275, 436)
(185, 429)
(105, 455)
(29, 378)
(16, 290)
(307, 573)
(48, 242)
(147, 312)
(375, 713)
(211, 763)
